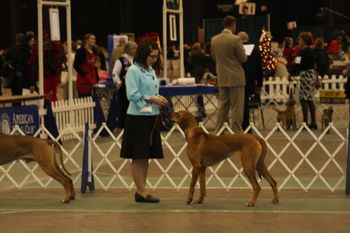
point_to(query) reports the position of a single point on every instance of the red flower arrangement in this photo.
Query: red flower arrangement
(151, 35)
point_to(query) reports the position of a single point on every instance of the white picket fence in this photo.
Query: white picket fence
(275, 91)
(277, 88)
(73, 114)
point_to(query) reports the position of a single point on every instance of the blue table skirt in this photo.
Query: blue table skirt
(187, 90)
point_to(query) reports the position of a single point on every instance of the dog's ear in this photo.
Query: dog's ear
(175, 117)
(173, 114)
(185, 119)
(181, 120)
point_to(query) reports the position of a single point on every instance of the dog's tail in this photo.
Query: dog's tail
(58, 149)
(261, 162)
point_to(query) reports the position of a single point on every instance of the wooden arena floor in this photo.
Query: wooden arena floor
(36, 211)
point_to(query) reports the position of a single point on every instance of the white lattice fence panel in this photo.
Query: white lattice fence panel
(175, 170)
(301, 160)
(189, 102)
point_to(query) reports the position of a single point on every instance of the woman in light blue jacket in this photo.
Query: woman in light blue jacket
(141, 139)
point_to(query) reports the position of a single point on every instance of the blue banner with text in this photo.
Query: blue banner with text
(26, 117)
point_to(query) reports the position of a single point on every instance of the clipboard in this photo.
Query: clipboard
(248, 48)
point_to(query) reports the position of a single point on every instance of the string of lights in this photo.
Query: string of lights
(267, 58)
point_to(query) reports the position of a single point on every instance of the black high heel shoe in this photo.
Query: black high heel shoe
(148, 199)
(312, 126)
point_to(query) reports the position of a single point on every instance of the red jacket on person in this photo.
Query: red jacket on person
(334, 48)
(85, 64)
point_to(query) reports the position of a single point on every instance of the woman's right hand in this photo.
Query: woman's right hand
(160, 100)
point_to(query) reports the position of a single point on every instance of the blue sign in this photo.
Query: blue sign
(26, 117)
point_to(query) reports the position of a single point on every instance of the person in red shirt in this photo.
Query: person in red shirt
(289, 53)
(334, 49)
(85, 63)
(54, 58)
(297, 49)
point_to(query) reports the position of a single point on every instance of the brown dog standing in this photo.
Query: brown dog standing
(44, 152)
(287, 118)
(205, 150)
(327, 117)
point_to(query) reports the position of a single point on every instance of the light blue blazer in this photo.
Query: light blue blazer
(141, 83)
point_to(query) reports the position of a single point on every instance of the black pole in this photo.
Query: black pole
(335, 12)
(347, 187)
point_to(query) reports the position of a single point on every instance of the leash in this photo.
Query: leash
(167, 128)
(164, 125)
(162, 122)
(152, 132)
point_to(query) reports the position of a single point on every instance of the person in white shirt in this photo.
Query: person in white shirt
(120, 68)
(64, 73)
(281, 67)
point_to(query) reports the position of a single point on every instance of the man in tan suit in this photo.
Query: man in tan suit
(228, 53)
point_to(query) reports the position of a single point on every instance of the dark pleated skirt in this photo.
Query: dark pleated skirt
(141, 138)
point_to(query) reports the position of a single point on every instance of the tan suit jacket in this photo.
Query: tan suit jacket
(228, 53)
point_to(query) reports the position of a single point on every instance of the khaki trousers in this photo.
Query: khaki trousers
(231, 101)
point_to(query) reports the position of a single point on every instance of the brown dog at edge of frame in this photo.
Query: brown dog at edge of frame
(15, 147)
(327, 117)
(204, 150)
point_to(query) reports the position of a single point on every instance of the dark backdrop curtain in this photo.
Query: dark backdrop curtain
(103, 17)
(193, 15)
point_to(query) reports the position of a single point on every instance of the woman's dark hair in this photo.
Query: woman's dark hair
(306, 37)
(19, 38)
(288, 42)
(319, 42)
(25, 42)
(87, 37)
(144, 49)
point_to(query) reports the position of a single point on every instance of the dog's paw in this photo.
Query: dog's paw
(189, 201)
(199, 202)
(249, 204)
(65, 201)
(275, 201)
